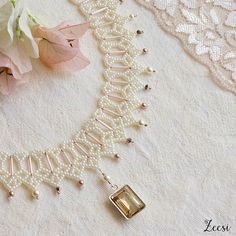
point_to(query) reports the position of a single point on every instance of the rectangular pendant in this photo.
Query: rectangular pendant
(127, 202)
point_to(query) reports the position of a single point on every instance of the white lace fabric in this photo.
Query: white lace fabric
(207, 30)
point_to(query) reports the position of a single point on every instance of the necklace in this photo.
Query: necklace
(106, 126)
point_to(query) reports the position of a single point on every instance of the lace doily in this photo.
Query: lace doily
(207, 30)
(107, 125)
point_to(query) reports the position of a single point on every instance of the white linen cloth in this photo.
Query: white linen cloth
(183, 165)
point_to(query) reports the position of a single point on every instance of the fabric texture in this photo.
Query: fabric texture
(183, 165)
(206, 30)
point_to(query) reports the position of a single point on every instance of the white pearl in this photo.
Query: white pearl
(142, 123)
(132, 16)
(35, 194)
(117, 156)
(150, 69)
(107, 178)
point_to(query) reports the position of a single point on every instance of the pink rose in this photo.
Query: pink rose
(59, 47)
(10, 75)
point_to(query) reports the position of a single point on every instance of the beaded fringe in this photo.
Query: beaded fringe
(107, 126)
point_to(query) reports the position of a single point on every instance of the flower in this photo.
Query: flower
(59, 47)
(10, 76)
(16, 40)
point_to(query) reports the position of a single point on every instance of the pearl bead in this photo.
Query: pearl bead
(58, 189)
(150, 69)
(117, 156)
(146, 87)
(142, 123)
(145, 50)
(129, 140)
(140, 32)
(11, 194)
(107, 178)
(35, 195)
(143, 105)
(81, 182)
(132, 16)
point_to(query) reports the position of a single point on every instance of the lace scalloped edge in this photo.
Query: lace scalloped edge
(219, 74)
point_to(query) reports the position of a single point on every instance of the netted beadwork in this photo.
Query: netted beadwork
(106, 126)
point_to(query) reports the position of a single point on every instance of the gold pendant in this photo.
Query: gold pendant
(127, 202)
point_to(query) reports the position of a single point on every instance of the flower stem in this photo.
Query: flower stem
(33, 19)
(19, 33)
(13, 2)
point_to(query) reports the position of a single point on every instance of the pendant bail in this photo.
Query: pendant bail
(107, 178)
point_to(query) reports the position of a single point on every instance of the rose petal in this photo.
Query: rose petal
(52, 53)
(77, 63)
(59, 47)
(20, 51)
(6, 24)
(8, 83)
(7, 63)
(50, 35)
(78, 30)
(18, 54)
(30, 44)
